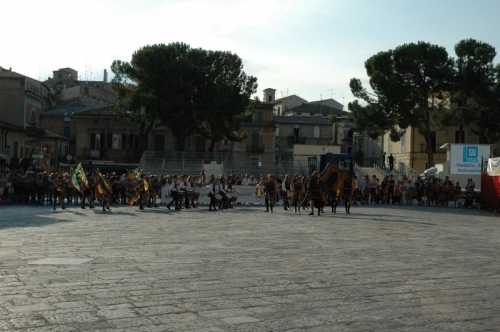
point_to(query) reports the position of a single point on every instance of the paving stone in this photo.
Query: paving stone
(380, 269)
(239, 320)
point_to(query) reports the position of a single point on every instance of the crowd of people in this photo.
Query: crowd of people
(422, 191)
(60, 188)
(183, 192)
(372, 191)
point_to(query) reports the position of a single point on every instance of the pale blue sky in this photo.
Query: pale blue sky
(310, 48)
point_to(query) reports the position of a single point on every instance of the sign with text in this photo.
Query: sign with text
(468, 158)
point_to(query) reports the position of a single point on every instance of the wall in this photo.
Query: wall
(12, 100)
(301, 150)
(306, 134)
(405, 150)
(84, 126)
(12, 138)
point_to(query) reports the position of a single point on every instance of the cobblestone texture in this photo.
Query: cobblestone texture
(381, 269)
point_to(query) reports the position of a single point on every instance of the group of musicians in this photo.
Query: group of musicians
(134, 189)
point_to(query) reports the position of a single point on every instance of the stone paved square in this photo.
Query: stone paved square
(381, 269)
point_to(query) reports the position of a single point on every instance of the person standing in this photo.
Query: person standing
(285, 189)
(314, 188)
(372, 190)
(165, 191)
(390, 159)
(270, 193)
(59, 190)
(469, 193)
(350, 184)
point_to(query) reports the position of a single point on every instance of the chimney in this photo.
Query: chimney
(105, 79)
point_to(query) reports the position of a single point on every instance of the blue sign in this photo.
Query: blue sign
(471, 154)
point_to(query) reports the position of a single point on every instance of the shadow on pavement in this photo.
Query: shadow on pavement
(457, 211)
(386, 220)
(38, 219)
(113, 213)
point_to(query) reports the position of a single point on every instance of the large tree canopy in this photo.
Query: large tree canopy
(418, 85)
(224, 97)
(408, 88)
(188, 90)
(475, 96)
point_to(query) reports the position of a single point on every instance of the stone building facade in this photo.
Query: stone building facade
(23, 102)
(410, 151)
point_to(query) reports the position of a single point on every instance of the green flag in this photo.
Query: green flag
(78, 178)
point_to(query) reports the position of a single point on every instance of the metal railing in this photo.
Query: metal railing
(192, 163)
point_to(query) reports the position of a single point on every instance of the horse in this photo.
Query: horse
(332, 181)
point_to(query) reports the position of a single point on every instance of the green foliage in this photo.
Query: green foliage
(191, 91)
(408, 87)
(225, 96)
(475, 97)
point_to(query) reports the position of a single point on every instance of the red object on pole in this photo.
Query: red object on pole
(490, 191)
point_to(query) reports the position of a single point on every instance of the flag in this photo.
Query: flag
(79, 179)
(133, 193)
(103, 188)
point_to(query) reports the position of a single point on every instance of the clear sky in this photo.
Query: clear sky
(306, 47)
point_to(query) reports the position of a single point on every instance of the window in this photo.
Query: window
(117, 142)
(159, 142)
(95, 141)
(259, 117)
(255, 138)
(312, 164)
(277, 132)
(296, 133)
(317, 132)
(67, 132)
(124, 140)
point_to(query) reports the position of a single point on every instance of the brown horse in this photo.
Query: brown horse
(332, 181)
